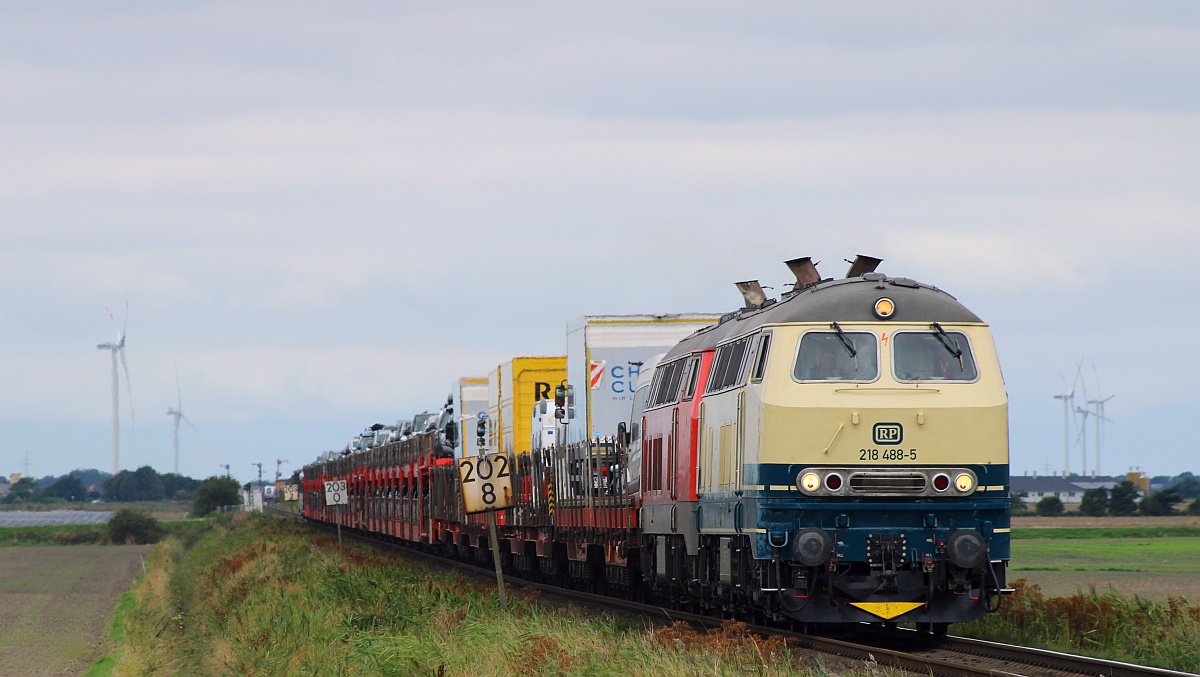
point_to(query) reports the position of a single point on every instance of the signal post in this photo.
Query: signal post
(487, 487)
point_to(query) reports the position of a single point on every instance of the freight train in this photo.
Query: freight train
(836, 455)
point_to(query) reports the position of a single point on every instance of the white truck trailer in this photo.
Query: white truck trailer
(605, 356)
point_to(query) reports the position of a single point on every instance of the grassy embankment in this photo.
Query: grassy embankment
(267, 597)
(88, 534)
(1103, 623)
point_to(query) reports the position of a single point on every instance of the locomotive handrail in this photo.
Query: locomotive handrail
(887, 389)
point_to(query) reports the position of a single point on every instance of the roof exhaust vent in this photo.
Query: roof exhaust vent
(804, 270)
(862, 265)
(752, 292)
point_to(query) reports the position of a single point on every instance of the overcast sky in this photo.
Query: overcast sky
(324, 213)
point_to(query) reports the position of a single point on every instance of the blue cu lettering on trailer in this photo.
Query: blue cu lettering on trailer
(888, 433)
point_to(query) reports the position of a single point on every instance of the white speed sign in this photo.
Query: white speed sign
(486, 482)
(335, 493)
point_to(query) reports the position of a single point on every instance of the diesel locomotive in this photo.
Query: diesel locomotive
(837, 455)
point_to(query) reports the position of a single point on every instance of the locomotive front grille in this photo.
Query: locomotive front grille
(888, 483)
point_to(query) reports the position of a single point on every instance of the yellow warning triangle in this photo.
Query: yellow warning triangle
(887, 610)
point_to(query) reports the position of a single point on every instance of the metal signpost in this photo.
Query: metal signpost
(335, 494)
(487, 487)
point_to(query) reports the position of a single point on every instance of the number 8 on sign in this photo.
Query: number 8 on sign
(486, 482)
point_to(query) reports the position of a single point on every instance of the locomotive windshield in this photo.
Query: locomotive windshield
(837, 356)
(933, 356)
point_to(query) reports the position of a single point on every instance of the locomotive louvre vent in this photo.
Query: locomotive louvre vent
(888, 483)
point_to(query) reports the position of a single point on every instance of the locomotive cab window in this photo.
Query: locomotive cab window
(933, 356)
(727, 366)
(837, 356)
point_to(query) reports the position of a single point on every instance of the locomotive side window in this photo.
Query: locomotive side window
(693, 376)
(837, 356)
(933, 356)
(760, 359)
(727, 366)
(665, 388)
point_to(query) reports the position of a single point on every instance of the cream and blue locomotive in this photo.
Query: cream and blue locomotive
(839, 455)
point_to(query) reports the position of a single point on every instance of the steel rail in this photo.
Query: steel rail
(876, 649)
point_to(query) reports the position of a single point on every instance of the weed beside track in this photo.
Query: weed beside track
(1102, 624)
(262, 596)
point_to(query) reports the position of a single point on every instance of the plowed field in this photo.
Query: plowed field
(55, 601)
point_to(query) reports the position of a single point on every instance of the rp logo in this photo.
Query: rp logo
(888, 433)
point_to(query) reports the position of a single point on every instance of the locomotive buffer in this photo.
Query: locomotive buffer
(487, 487)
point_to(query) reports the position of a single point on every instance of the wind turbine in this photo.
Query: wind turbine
(115, 348)
(177, 412)
(1099, 414)
(1068, 400)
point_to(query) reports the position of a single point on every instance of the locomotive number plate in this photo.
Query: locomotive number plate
(486, 482)
(896, 455)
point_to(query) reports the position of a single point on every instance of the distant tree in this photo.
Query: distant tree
(1018, 501)
(133, 526)
(1049, 506)
(1123, 499)
(90, 477)
(67, 487)
(1193, 508)
(179, 487)
(1160, 502)
(23, 488)
(1095, 502)
(1187, 484)
(215, 492)
(143, 484)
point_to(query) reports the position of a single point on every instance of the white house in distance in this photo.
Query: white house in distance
(1070, 488)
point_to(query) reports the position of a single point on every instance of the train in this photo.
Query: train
(836, 455)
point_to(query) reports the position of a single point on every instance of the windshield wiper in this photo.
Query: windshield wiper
(847, 344)
(845, 340)
(951, 345)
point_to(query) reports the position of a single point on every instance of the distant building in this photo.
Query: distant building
(1070, 488)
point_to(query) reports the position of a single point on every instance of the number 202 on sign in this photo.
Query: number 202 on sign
(486, 482)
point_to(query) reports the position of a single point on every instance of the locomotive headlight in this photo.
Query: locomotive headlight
(810, 482)
(884, 308)
(964, 482)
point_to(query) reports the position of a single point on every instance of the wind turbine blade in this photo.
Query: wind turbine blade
(128, 387)
(189, 421)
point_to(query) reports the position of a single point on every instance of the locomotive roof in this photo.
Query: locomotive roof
(846, 300)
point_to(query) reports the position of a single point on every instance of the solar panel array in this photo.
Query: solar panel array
(52, 517)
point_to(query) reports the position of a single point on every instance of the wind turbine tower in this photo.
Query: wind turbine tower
(1083, 437)
(1101, 419)
(1067, 400)
(177, 412)
(115, 348)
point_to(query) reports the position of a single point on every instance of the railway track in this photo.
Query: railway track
(911, 651)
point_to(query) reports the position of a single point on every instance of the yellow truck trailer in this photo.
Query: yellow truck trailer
(513, 389)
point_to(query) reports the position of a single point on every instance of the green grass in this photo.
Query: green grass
(1086, 533)
(103, 666)
(1149, 555)
(267, 597)
(1103, 624)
